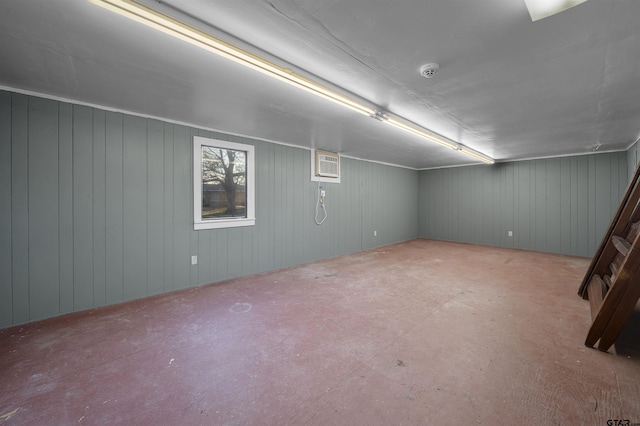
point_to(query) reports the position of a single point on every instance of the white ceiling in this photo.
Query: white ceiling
(507, 87)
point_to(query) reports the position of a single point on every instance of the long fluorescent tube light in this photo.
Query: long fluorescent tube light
(475, 154)
(539, 9)
(407, 127)
(175, 28)
(419, 132)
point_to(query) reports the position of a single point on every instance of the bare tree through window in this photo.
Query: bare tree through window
(224, 178)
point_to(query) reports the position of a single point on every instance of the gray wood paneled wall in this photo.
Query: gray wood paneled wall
(558, 205)
(96, 208)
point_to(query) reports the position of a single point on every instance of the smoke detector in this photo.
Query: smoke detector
(429, 70)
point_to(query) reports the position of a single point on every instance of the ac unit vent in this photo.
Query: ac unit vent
(327, 164)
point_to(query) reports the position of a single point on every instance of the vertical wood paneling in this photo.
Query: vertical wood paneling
(263, 225)
(201, 246)
(603, 198)
(466, 203)
(222, 254)
(591, 200)
(298, 184)
(566, 223)
(247, 266)
(278, 199)
(509, 203)
(182, 207)
(20, 208)
(234, 250)
(423, 204)
(99, 208)
(523, 209)
(135, 207)
(168, 197)
(573, 209)
(540, 205)
(487, 203)
(367, 208)
(203, 251)
(498, 211)
(553, 223)
(424, 219)
(583, 209)
(155, 207)
(289, 177)
(43, 209)
(407, 217)
(554, 205)
(114, 210)
(352, 205)
(65, 206)
(194, 236)
(6, 291)
(122, 227)
(438, 193)
(82, 207)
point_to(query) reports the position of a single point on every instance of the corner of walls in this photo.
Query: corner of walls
(558, 205)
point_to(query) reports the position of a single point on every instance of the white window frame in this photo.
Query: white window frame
(198, 222)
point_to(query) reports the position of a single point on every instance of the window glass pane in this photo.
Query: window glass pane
(224, 183)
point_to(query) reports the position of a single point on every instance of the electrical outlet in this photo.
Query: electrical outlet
(322, 192)
(375, 233)
(510, 233)
(194, 260)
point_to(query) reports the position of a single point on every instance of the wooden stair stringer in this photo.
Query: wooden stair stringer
(620, 225)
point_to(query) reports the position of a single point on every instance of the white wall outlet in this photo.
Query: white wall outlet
(510, 233)
(375, 233)
(194, 260)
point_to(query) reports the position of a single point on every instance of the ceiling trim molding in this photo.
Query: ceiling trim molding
(180, 123)
(257, 138)
(548, 157)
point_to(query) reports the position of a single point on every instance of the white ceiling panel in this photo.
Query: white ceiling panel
(508, 87)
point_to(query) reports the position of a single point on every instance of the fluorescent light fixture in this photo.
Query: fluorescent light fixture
(419, 132)
(475, 154)
(539, 9)
(175, 28)
(432, 137)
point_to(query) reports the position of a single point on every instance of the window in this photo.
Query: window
(223, 184)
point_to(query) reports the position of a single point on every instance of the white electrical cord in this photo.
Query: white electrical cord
(320, 203)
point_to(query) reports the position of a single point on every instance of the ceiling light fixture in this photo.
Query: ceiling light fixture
(473, 153)
(175, 28)
(539, 9)
(432, 137)
(419, 132)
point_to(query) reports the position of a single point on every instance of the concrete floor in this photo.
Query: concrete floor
(416, 333)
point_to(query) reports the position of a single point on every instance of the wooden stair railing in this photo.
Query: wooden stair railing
(612, 282)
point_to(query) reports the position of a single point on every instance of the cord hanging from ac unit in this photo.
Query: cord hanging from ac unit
(320, 203)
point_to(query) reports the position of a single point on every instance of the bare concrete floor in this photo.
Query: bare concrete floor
(421, 332)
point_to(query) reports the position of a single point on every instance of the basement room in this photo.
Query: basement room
(292, 212)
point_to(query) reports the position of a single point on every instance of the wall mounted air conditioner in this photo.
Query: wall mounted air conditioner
(327, 164)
